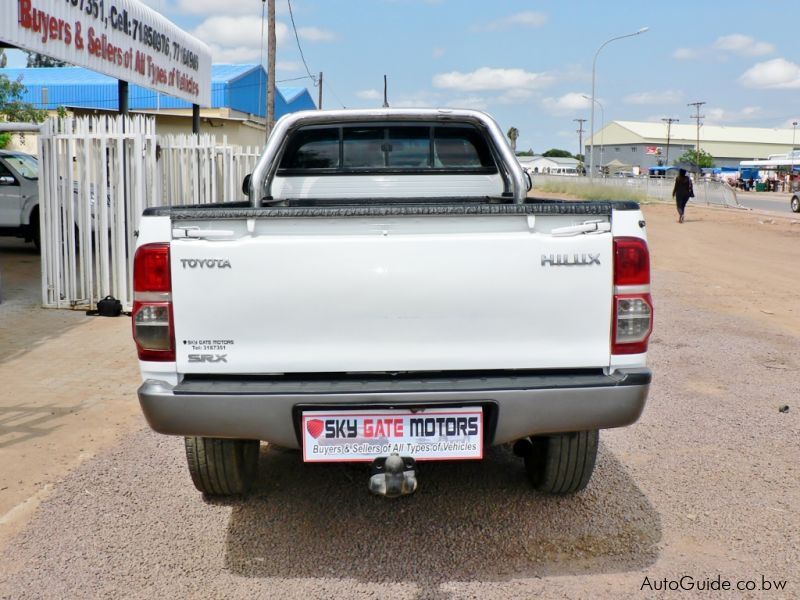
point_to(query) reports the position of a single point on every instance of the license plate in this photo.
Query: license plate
(363, 435)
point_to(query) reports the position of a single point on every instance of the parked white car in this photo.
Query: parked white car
(19, 195)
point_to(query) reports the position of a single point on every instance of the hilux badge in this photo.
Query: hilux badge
(570, 260)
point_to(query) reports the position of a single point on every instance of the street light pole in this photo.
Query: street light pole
(594, 70)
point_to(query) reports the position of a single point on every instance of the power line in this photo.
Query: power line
(330, 89)
(292, 79)
(299, 47)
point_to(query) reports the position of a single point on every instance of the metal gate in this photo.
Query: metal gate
(97, 175)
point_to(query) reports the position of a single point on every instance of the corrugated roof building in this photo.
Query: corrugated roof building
(645, 144)
(238, 99)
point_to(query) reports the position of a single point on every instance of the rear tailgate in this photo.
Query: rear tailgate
(390, 293)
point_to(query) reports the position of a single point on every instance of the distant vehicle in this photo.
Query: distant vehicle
(19, 195)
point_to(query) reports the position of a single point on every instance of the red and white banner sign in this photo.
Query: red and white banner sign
(121, 38)
(653, 150)
(363, 435)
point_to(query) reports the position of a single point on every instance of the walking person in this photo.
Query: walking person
(682, 191)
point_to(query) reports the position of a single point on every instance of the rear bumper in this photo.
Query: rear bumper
(522, 405)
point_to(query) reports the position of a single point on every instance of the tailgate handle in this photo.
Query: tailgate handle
(197, 233)
(598, 226)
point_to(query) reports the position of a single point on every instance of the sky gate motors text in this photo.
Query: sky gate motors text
(395, 427)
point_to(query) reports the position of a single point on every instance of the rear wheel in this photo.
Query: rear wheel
(562, 463)
(795, 204)
(34, 230)
(222, 467)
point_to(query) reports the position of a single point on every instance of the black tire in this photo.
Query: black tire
(222, 467)
(795, 204)
(562, 463)
(34, 230)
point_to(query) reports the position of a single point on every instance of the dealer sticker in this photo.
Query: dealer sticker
(363, 435)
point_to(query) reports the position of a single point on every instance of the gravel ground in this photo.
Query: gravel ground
(705, 484)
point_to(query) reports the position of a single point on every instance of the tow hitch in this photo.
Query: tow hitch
(393, 476)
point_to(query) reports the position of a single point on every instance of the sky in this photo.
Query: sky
(527, 63)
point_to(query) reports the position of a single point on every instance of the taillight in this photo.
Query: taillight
(153, 329)
(633, 307)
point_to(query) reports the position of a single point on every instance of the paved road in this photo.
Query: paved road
(771, 201)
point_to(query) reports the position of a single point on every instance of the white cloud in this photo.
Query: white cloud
(649, 98)
(287, 65)
(421, 99)
(228, 7)
(721, 116)
(472, 101)
(568, 103)
(438, 53)
(487, 78)
(315, 34)
(527, 19)
(236, 32)
(515, 96)
(369, 94)
(743, 45)
(777, 73)
(736, 43)
(238, 54)
(684, 54)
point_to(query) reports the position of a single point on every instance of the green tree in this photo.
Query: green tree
(556, 153)
(12, 108)
(528, 152)
(690, 158)
(513, 134)
(37, 60)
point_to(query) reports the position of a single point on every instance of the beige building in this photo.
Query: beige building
(644, 144)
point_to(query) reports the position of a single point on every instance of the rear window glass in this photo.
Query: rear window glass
(460, 147)
(363, 147)
(382, 148)
(313, 149)
(409, 147)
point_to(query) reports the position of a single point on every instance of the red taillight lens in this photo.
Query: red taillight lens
(151, 269)
(633, 307)
(631, 261)
(153, 329)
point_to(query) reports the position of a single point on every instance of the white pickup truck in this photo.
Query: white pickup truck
(391, 294)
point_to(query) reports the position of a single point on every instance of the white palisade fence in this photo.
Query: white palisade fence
(97, 175)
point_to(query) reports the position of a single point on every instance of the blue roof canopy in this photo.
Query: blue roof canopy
(238, 87)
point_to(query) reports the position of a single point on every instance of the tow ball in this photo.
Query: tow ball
(393, 476)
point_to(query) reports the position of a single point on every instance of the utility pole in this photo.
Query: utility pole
(385, 92)
(580, 123)
(669, 121)
(697, 116)
(319, 104)
(271, 44)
